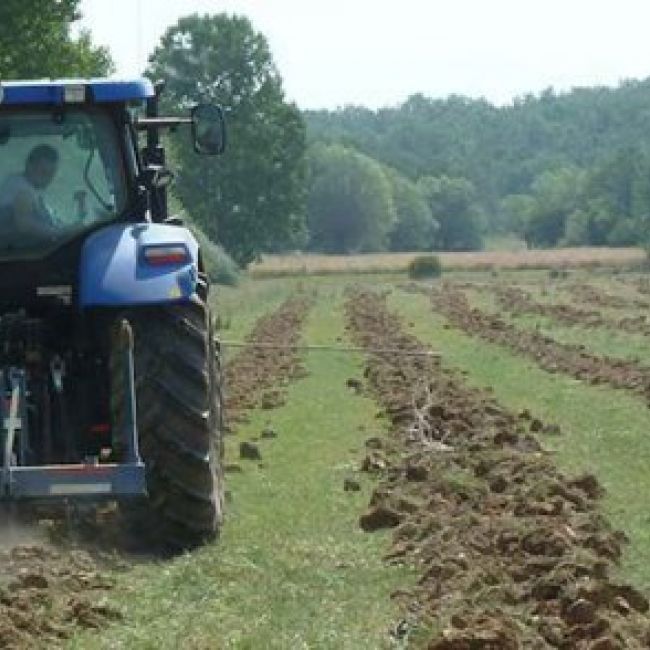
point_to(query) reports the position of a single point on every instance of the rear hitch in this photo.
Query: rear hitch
(90, 479)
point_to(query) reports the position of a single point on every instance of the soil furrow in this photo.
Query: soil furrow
(642, 285)
(255, 377)
(513, 553)
(48, 590)
(517, 301)
(552, 356)
(590, 295)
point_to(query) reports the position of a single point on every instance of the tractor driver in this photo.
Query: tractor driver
(22, 207)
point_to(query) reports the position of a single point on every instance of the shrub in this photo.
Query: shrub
(220, 267)
(425, 266)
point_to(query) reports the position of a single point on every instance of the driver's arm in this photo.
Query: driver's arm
(26, 216)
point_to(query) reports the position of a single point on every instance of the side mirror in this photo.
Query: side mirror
(208, 129)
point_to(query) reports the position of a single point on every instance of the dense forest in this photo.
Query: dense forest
(555, 169)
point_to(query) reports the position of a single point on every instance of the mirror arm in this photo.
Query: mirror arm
(155, 179)
(144, 123)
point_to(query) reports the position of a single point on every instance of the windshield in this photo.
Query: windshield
(60, 174)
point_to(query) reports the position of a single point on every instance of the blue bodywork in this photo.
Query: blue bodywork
(53, 91)
(113, 270)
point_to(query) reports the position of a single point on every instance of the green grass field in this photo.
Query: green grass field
(292, 569)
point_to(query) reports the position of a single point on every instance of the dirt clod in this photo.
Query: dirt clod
(536, 425)
(351, 485)
(354, 384)
(416, 472)
(379, 517)
(29, 580)
(249, 451)
(373, 462)
(580, 612)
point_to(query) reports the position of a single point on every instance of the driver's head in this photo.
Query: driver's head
(41, 165)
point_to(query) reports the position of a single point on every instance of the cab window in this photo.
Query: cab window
(60, 174)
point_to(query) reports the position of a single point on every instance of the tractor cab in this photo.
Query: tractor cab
(71, 159)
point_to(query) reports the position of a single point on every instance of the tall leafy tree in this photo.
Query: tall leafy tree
(558, 194)
(36, 42)
(252, 199)
(504, 151)
(453, 204)
(350, 205)
(414, 228)
(514, 213)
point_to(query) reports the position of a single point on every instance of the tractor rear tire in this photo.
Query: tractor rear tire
(180, 423)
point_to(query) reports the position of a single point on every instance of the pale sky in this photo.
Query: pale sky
(378, 52)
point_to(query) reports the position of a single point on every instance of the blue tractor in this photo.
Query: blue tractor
(110, 382)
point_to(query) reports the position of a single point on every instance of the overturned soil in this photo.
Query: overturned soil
(51, 586)
(595, 296)
(642, 285)
(573, 360)
(258, 374)
(512, 553)
(518, 301)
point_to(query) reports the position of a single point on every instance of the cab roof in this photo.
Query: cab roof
(65, 91)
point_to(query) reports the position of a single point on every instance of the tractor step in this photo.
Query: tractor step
(77, 481)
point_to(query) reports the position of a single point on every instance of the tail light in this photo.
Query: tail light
(164, 255)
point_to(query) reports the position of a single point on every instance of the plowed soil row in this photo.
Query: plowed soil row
(513, 553)
(255, 376)
(47, 593)
(517, 301)
(554, 357)
(590, 295)
(642, 285)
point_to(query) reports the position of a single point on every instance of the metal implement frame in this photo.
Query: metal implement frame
(92, 480)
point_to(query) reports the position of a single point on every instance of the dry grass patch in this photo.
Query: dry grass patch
(313, 264)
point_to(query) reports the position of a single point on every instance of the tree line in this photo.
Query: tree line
(555, 169)
(431, 174)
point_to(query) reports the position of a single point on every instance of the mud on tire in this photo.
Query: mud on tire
(179, 415)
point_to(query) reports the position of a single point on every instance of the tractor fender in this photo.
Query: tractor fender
(114, 272)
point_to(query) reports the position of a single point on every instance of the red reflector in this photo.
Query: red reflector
(100, 428)
(159, 255)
